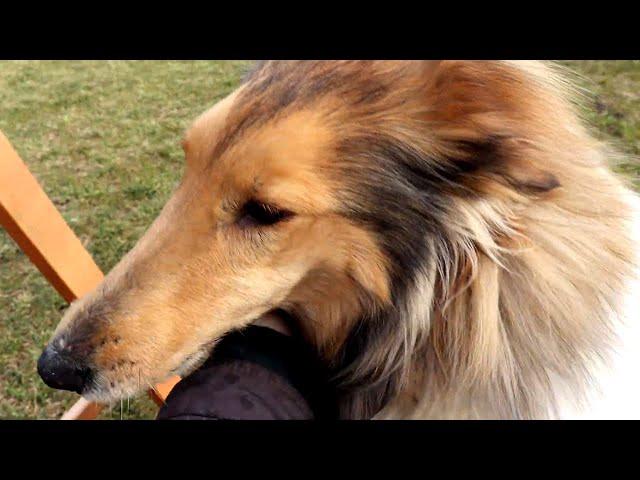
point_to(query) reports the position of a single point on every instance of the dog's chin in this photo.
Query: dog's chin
(192, 361)
(106, 390)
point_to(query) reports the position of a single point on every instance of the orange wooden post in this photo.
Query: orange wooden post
(37, 227)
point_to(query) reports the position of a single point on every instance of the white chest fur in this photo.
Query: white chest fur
(615, 392)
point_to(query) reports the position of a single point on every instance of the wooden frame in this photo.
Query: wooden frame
(35, 224)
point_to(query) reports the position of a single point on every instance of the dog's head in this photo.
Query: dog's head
(329, 190)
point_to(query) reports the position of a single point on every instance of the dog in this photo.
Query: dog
(446, 234)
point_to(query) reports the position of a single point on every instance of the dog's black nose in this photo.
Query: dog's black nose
(61, 371)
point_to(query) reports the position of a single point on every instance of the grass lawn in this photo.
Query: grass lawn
(103, 140)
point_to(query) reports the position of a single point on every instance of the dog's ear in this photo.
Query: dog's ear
(484, 117)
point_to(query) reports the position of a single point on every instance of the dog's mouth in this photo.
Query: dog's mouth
(86, 372)
(106, 386)
(123, 377)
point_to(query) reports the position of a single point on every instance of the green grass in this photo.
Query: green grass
(614, 106)
(103, 140)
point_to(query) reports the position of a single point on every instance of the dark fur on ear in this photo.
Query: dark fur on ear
(480, 112)
(493, 157)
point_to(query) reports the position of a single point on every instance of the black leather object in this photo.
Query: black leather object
(254, 374)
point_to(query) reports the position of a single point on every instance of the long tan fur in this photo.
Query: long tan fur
(529, 289)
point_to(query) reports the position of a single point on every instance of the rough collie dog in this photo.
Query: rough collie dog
(447, 234)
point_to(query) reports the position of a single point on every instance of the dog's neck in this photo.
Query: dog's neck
(615, 390)
(599, 382)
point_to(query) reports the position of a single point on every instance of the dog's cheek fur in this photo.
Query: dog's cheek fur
(349, 275)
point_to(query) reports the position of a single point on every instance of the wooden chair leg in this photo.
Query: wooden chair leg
(35, 224)
(82, 410)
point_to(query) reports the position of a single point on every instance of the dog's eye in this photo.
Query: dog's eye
(256, 213)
